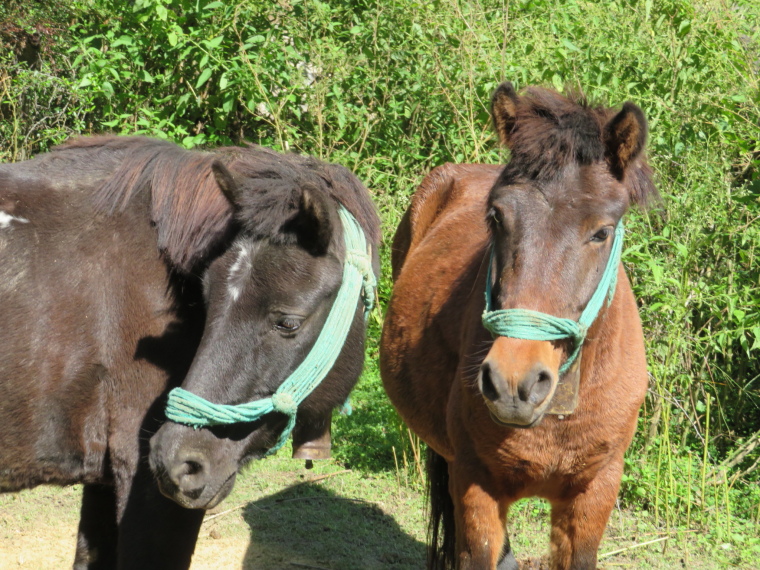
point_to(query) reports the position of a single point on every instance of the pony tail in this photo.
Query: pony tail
(441, 553)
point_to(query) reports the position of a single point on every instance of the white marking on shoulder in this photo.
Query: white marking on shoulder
(6, 219)
(235, 291)
(239, 269)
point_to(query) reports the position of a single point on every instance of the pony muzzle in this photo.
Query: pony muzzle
(189, 472)
(518, 379)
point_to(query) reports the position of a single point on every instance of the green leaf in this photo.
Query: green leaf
(228, 103)
(223, 82)
(570, 45)
(107, 89)
(123, 41)
(756, 334)
(161, 12)
(172, 38)
(204, 77)
(89, 39)
(213, 44)
(656, 269)
(684, 28)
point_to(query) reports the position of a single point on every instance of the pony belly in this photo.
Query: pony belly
(54, 417)
(419, 352)
(402, 377)
(60, 452)
(63, 469)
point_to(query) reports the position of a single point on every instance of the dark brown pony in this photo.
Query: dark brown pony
(483, 405)
(129, 265)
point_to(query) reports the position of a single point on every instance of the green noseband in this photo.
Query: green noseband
(532, 325)
(358, 280)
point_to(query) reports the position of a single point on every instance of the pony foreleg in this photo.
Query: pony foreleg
(578, 524)
(96, 539)
(155, 532)
(481, 541)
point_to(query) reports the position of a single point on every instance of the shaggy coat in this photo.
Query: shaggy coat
(483, 405)
(117, 267)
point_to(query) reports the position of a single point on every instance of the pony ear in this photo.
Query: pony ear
(624, 137)
(228, 182)
(504, 111)
(312, 224)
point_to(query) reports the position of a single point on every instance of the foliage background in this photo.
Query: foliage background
(393, 88)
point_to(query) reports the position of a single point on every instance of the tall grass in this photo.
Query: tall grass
(393, 88)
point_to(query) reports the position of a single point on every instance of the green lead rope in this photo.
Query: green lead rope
(533, 325)
(358, 279)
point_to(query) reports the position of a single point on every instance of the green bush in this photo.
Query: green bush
(392, 89)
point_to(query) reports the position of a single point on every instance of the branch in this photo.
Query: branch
(639, 545)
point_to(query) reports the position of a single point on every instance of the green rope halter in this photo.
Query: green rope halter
(533, 325)
(358, 278)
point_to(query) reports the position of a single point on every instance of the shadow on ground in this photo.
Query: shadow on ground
(307, 526)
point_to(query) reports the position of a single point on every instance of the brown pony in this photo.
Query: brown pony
(489, 408)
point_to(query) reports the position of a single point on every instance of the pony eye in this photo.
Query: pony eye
(601, 235)
(288, 323)
(495, 215)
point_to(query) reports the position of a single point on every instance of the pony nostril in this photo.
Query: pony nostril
(535, 387)
(193, 467)
(189, 475)
(486, 383)
(543, 385)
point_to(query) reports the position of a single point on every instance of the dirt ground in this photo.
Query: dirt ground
(278, 521)
(282, 517)
(49, 544)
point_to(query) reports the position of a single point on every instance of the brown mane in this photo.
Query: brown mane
(552, 131)
(187, 207)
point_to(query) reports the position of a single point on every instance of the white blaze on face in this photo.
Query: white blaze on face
(6, 219)
(238, 272)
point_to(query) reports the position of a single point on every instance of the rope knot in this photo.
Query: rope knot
(362, 261)
(284, 403)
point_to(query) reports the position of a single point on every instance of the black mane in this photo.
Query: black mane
(278, 180)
